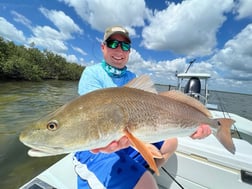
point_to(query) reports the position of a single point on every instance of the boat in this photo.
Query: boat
(193, 88)
(199, 164)
(196, 164)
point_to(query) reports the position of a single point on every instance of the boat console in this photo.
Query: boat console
(194, 87)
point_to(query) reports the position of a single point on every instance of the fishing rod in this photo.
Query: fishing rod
(173, 178)
(190, 64)
(223, 109)
(169, 174)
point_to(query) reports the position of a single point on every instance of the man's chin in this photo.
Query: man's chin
(118, 64)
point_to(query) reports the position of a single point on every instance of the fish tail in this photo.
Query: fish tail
(224, 133)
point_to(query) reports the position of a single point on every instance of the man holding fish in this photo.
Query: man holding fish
(116, 124)
(106, 169)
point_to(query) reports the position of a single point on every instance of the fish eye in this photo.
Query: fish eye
(52, 125)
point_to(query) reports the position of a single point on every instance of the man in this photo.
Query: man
(117, 165)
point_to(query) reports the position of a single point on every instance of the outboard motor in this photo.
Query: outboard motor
(193, 87)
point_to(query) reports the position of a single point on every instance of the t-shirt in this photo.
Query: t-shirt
(95, 77)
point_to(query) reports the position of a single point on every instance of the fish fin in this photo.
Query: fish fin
(154, 151)
(142, 82)
(181, 97)
(224, 133)
(143, 150)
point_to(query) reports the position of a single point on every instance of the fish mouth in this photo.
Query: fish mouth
(39, 153)
(43, 151)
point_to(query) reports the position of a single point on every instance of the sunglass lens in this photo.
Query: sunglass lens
(125, 46)
(112, 44)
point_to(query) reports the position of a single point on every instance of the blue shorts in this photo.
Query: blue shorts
(115, 170)
(120, 170)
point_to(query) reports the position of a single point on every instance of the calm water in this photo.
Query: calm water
(24, 102)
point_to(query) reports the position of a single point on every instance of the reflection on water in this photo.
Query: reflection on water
(24, 102)
(20, 104)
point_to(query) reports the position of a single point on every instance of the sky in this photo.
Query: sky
(166, 35)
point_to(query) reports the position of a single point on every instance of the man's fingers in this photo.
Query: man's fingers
(202, 132)
(113, 146)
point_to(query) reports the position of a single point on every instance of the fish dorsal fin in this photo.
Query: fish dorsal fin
(181, 97)
(142, 82)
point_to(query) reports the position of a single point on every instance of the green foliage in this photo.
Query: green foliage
(21, 63)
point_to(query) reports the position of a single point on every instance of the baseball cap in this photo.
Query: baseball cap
(116, 30)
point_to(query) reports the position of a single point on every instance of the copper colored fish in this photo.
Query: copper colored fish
(135, 110)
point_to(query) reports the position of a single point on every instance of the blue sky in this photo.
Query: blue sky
(166, 35)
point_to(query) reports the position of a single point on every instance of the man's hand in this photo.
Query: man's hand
(113, 146)
(202, 132)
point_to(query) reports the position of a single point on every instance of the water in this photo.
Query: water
(24, 102)
(231, 102)
(20, 104)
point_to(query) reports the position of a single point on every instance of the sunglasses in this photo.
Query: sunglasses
(113, 44)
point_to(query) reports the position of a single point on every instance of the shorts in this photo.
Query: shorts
(100, 171)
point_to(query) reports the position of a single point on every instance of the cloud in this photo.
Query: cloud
(21, 19)
(243, 9)
(180, 29)
(69, 58)
(162, 72)
(47, 32)
(234, 60)
(54, 39)
(79, 50)
(54, 45)
(63, 22)
(10, 32)
(100, 14)
(44, 37)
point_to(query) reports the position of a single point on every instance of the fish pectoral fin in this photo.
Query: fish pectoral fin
(154, 151)
(144, 150)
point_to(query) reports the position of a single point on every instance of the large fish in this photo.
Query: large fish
(135, 110)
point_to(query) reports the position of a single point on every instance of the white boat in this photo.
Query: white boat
(193, 89)
(197, 164)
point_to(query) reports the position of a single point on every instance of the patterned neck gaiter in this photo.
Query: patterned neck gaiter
(113, 71)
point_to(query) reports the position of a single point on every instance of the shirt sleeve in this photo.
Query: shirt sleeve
(88, 82)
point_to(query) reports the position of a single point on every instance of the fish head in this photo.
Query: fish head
(82, 124)
(56, 133)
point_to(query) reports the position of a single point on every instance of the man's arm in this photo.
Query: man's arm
(88, 82)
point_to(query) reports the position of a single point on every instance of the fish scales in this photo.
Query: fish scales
(142, 107)
(149, 113)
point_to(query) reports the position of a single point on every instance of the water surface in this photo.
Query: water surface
(21, 103)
